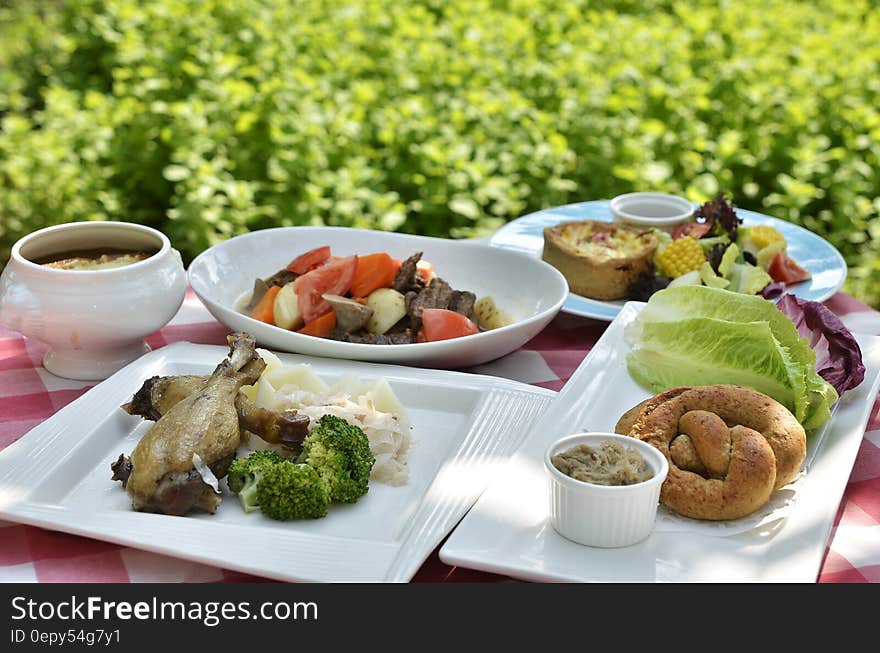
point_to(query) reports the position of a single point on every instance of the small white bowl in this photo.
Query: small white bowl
(94, 321)
(657, 210)
(604, 515)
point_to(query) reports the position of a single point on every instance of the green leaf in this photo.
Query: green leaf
(175, 173)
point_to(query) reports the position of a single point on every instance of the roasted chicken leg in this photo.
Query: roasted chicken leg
(160, 393)
(167, 470)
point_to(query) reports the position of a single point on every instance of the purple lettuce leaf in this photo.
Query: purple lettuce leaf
(773, 290)
(838, 355)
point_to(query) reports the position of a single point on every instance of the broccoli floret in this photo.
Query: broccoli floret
(289, 490)
(242, 470)
(335, 465)
(245, 473)
(340, 452)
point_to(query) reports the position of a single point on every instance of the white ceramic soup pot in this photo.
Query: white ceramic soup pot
(94, 320)
(604, 515)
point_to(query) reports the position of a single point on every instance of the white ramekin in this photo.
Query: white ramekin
(657, 210)
(604, 515)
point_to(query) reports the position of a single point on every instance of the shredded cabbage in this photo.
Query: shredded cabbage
(205, 472)
(387, 432)
(371, 406)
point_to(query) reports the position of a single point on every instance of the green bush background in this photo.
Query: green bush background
(210, 118)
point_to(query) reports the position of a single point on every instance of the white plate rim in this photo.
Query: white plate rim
(505, 408)
(600, 210)
(467, 545)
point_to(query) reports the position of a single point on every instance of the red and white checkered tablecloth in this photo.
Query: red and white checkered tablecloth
(29, 395)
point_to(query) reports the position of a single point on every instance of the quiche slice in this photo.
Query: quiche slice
(599, 260)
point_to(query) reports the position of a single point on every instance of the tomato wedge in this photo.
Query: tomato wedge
(310, 260)
(440, 324)
(695, 230)
(784, 269)
(334, 277)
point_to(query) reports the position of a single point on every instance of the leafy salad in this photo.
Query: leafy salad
(797, 352)
(714, 249)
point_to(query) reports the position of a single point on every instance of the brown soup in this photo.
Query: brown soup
(93, 259)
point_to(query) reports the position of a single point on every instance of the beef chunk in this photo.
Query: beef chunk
(406, 279)
(281, 278)
(436, 294)
(260, 289)
(401, 338)
(463, 301)
(261, 286)
(402, 325)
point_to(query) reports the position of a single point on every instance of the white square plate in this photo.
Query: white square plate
(508, 531)
(57, 476)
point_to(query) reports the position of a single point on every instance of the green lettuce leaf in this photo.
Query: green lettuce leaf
(748, 279)
(696, 335)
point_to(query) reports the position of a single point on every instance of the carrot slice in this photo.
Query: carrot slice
(264, 311)
(374, 271)
(320, 327)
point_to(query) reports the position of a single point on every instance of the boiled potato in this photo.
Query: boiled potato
(350, 385)
(272, 363)
(389, 306)
(386, 401)
(286, 309)
(299, 376)
(274, 378)
(489, 316)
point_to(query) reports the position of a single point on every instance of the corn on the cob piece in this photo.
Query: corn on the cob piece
(681, 256)
(763, 235)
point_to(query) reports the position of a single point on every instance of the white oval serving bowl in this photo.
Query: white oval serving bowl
(94, 321)
(604, 515)
(531, 291)
(657, 210)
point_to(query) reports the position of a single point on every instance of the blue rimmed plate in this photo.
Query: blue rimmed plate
(812, 252)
